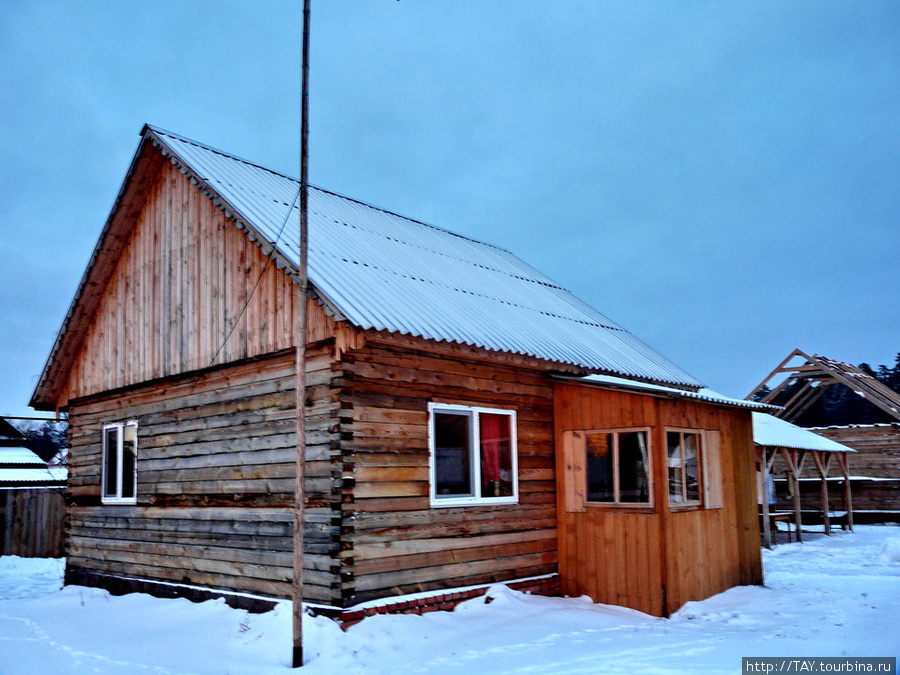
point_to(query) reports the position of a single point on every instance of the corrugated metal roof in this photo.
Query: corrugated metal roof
(383, 271)
(18, 455)
(24, 476)
(703, 394)
(771, 431)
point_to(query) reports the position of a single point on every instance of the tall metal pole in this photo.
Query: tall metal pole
(302, 282)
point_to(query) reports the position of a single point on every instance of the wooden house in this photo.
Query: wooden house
(468, 420)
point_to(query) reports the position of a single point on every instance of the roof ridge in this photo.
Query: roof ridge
(184, 139)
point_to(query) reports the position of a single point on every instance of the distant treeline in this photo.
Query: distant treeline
(840, 406)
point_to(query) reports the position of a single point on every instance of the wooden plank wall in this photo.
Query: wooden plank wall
(877, 448)
(215, 480)
(184, 282)
(656, 560)
(31, 522)
(392, 541)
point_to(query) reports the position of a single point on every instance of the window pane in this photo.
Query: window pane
(110, 461)
(496, 455)
(129, 443)
(676, 490)
(691, 468)
(452, 455)
(634, 473)
(600, 468)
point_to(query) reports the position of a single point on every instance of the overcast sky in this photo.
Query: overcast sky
(721, 178)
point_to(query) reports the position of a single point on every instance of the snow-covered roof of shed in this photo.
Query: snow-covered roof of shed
(383, 271)
(13, 456)
(771, 431)
(704, 394)
(33, 475)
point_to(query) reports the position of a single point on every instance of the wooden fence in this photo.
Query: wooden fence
(32, 522)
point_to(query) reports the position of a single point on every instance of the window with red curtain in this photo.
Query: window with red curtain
(496, 455)
(472, 455)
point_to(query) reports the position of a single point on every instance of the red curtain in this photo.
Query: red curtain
(494, 436)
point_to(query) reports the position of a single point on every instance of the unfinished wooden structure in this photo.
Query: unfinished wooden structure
(804, 378)
(435, 419)
(800, 380)
(786, 448)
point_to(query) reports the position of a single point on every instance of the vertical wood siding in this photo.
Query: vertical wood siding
(189, 291)
(31, 522)
(393, 541)
(629, 557)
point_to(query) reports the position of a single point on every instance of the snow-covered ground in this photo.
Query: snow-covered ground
(838, 596)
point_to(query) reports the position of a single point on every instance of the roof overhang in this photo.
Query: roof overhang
(661, 391)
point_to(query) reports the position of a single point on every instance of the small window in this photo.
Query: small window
(473, 455)
(119, 471)
(684, 453)
(618, 467)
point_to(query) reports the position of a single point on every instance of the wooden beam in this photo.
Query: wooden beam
(790, 458)
(762, 476)
(822, 467)
(778, 369)
(303, 282)
(844, 462)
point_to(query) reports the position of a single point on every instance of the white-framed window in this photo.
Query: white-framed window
(618, 467)
(119, 470)
(472, 455)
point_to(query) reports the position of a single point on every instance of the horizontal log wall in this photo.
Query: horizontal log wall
(393, 541)
(189, 290)
(877, 448)
(882, 494)
(215, 480)
(31, 522)
(655, 560)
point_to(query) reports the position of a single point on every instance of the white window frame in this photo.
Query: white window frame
(117, 498)
(437, 501)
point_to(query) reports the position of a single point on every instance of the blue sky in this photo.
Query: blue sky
(721, 178)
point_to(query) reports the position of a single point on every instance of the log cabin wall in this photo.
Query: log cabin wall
(185, 280)
(877, 448)
(214, 480)
(393, 541)
(655, 559)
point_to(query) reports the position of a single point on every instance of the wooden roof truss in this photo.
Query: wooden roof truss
(808, 377)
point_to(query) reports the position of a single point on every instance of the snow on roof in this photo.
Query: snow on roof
(383, 271)
(704, 394)
(12, 456)
(768, 430)
(29, 475)
(881, 425)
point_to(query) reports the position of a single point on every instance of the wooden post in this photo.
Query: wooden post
(822, 466)
(793, 461)
(762, 475)
(844, 463)
(302, 282)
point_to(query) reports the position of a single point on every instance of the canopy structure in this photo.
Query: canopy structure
(776, 437)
